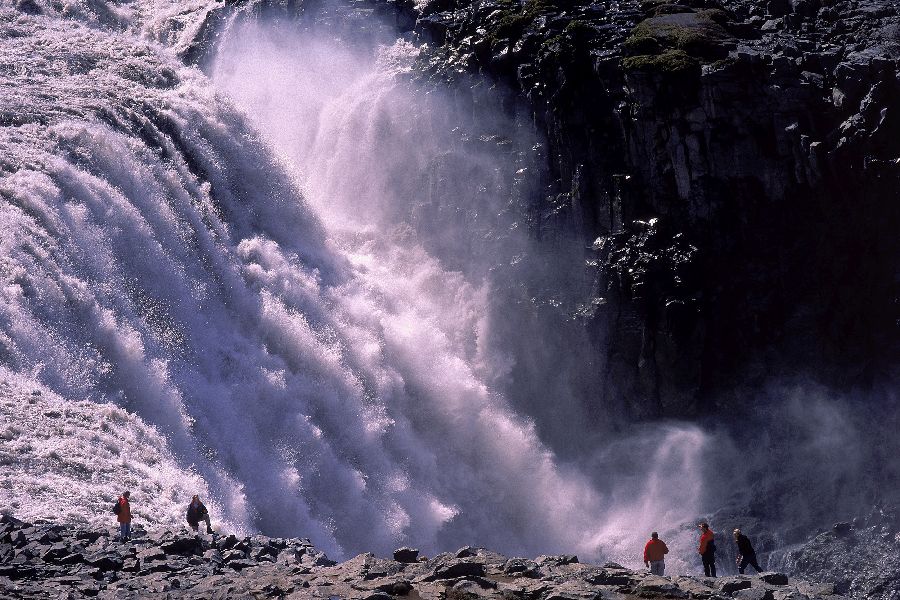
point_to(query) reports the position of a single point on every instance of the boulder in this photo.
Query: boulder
(151, 554)
(406, 555)
(754, 593)
(469, 590)
(774, 578)
(557, 559)
(181, 545)
(611, 576)
(240, 564)
(106, 561)
(654, 586)
(55, 552)
(842, 528)
(450, 569)
(729, 585)
(520, 567)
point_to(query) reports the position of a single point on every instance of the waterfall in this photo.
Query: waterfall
(242, 276)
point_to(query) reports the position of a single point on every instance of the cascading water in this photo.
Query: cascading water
(253, 285)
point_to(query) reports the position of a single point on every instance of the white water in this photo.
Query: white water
(236, 278)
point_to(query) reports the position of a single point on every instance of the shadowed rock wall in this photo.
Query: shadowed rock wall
(734, 168)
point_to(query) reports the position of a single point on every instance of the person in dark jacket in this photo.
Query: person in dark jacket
(746, 555)
(197, 512)
(123, 516)
(707, 549)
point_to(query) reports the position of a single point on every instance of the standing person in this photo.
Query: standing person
(746, 553)
(655, 553)
(123, 516)
(196, 512)
(707, 549)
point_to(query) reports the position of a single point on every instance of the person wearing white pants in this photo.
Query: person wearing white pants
(655, 553)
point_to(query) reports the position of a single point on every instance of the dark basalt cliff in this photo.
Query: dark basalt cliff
(733, 167)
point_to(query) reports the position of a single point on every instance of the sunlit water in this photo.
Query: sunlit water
(223, 282)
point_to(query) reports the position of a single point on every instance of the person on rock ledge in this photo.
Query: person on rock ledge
(196, 512)
(707, 549)
(655, 553)
(123, 516)
(746, 555)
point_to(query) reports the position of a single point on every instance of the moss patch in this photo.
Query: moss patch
(670, 61)
(514, 21)
(696, 34)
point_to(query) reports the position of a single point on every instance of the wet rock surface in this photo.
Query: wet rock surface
(858, 558)
(51, 560)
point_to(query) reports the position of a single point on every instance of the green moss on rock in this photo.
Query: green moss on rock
(696, 34)
(513, 21)
(670, 61)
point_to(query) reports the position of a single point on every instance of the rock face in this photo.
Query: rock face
(735, 166)
(50, 560)
(858, 559)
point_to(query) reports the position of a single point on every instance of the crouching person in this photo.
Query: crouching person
(197, 512)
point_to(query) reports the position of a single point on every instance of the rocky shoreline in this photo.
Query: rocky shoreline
(49, 560)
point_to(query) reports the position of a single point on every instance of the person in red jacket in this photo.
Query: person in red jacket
(123, 516)
(707, 549)
(655, 553)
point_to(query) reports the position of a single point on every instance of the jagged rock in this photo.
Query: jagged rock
(520, 567)
(228, 542)
(131, 565)
(71, 558)
(448, 569)
(469, 590)
(239, 564)
(842, 528)
(774, 578)
(230, 555)
(180, 545)
(699, 589)
(729, 585)
(55, 552)
(653, 586)
(754, 593)
(616, 575)
(572, 590)
(151, 554)
(406, 555)
(105, 561)
(562, 559)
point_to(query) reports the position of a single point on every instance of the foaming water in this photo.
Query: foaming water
(364, 145)
(65, 460)
(306, 361)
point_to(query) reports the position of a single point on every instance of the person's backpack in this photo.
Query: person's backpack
(711, 547)
(117, 508)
